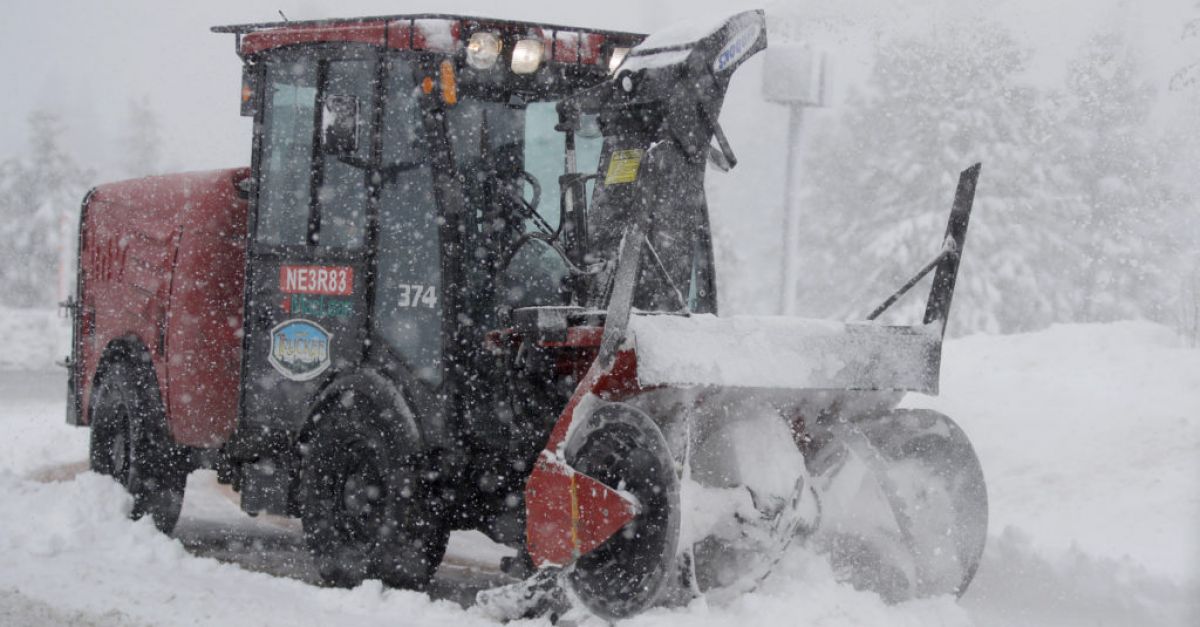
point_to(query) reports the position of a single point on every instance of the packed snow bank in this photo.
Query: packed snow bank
(782, 352)
(1089, 436)
(33, 339)
(1019, 585)
(35, 440)
(71, 545)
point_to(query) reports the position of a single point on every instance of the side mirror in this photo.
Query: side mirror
(339, 125)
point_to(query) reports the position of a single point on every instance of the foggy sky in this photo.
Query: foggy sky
(87, 60)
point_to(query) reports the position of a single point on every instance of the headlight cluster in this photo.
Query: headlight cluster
(484, 47)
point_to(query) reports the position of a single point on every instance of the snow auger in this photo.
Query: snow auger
(695, 449)
(380, 329)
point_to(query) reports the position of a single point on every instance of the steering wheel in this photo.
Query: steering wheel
(530, 206)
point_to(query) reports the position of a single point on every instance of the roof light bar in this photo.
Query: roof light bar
(483, 49)
(527, 56)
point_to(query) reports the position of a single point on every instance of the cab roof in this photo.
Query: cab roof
(432, 33)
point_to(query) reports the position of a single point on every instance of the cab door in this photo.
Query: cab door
(307, 267)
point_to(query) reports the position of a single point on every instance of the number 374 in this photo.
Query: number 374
(411, 295)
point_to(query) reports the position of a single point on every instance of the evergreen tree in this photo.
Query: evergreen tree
(1127, 231)
(1188, 77)
(39, 196)
(884, 181)
(1183, 143)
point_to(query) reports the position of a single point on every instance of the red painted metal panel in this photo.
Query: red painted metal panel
(161, 265)
(126, 240)
(374, 33)
(436, 35)
(589, 48)
(547, 531)
(566, 47)
(575, 515)
(204, 327)
(548, 524)
(577, 337)
(399, 35)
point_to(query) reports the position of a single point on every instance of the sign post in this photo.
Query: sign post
(794, 76)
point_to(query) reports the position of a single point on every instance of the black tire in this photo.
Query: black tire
(130, 441)
(622, 447)
(364, 509)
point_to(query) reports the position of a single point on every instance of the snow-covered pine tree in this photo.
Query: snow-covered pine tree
(883, 181)
(1188, 76)
(1183, 144)
(39, 200)
(1127, 230)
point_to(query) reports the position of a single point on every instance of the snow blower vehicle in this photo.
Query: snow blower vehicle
(383, 328)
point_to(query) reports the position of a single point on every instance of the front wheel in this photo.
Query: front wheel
(364, 511)
(130, 442)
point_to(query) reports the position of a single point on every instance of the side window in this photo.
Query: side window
(342, 191)
(289, 117)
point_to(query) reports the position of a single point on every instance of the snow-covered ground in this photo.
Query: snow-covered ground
(1089, 436)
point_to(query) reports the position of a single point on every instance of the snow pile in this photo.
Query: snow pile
(33, 339)
(1089, 436)
(802, 591)
(1020, 585)
(78, 537)
(781, 352)
(37, 442)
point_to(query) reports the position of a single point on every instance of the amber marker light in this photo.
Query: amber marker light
(449, 86)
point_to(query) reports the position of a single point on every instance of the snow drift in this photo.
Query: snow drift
(1089, 436)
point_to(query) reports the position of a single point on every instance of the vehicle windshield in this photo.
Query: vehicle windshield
(512, 157)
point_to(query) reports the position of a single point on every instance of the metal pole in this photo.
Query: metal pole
(791, 211)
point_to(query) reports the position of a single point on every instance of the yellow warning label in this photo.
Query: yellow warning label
(623, 166)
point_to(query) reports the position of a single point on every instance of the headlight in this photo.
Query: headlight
(483, 49)
(527, 56)
(617, 58)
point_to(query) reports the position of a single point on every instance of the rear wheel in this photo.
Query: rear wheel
(364, 511)
(623, 449)
(130, 441)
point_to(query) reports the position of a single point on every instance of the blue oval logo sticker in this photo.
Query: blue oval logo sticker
(737, 46)
(300, 349)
